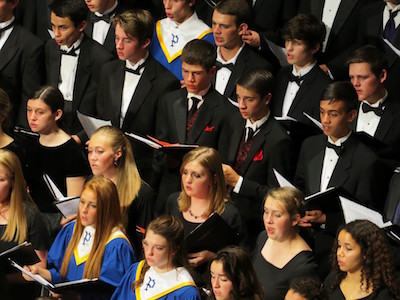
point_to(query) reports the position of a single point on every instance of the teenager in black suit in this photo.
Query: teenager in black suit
(379, 112)
(298, 87)
(375, 21)
(99, 25)
(21, 62)
(337, 159)
(195, 114)
(257, 145)
(342, 21)
(234, 57)
(73, 62)
(130, 88)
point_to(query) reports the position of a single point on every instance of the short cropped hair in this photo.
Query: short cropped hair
(371, 55)
(238, 8)
(259, 80)
(306, 28)
(199, 52)
(75, 10)
(342, 91)
(138, 24)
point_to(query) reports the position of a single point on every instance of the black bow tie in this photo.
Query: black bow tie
(338, 149)
(72, 52)
(297, 79)
(7, 27)
(220, 65)
(137, 70)
(377, 110)
(106, 17)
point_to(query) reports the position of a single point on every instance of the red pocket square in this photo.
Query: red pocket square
(258, 156)
(209, 128)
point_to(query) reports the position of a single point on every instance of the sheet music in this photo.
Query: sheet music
(315, 121)
(353, 211)
(283, 182)
(90, 124)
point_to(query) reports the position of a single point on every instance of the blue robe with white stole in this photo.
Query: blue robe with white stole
(178, 284)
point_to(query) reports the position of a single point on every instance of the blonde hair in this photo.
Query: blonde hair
(209, 159)
(108, 217)
(17, 228)
(291, 198)
(128, 181)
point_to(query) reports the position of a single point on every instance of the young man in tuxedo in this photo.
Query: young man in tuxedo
(234, 57)
(21, 62)
(337, 159)
(73, 62)
(99, 21)
(195, 114)
(299, 86)
(378, 112)
(257, 145)
(130, 88)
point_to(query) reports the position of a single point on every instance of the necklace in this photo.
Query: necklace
(193, 215)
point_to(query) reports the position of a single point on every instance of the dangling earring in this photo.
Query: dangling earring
(115, 163)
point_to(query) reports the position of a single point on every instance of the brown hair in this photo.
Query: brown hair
(291, 198)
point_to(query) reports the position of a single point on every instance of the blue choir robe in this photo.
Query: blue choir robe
(169, 39)
(117, 259)
(183, 290)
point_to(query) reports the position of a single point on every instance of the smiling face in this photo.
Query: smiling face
(101, 155)
(40, 117)
(251, 106)
(278, 223)
(221, 284)
(196, 180)
(335, 119)
(299, 54)
(348, 253)
(65, 32)
(156, 252)
(367, 86)
(178, 10)
(88, 208)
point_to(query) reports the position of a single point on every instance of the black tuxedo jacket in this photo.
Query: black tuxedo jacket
(343, 33)
(307, 98)
(271, 149)
(246, 61)
(92, 57)
(109, 42)
(21, 70)
(370, 32)
(140, 117)
(34, 15)
(388, 130)
(208, 130)
(358, 170)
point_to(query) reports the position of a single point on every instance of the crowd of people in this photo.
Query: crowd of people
(240, 95)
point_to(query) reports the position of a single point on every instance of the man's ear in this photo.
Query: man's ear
(146, 43)
(243, 28)
(315, 48)
(382, 76)
(352, 115)
(81, 26)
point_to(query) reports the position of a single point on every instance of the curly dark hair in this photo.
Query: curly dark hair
(239, 269)
(377, 268)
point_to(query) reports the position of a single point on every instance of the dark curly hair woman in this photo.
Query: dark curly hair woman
(363, 266)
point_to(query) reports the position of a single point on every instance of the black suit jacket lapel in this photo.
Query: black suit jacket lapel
(317, 8)
(82, 75)
(343, 13)
(53, 74)
(386, 121)
(238, 70)
(180, 114)
(305, 86)
(277, 101)
(10, 48)
(236, 139)
(143, 88)
(203, 117)
(117, 79)
(315, 168)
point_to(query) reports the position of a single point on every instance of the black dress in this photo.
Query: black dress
(383, 294)
(276, 281)
(60, 162)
